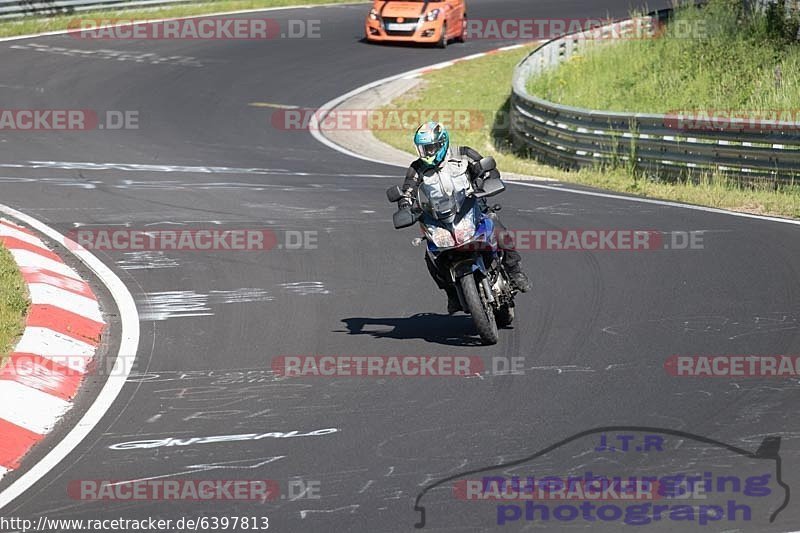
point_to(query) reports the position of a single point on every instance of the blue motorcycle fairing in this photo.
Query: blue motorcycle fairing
(469, 266)
(484, 232)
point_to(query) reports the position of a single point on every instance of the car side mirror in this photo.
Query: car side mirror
(403, 219)
(394, 194)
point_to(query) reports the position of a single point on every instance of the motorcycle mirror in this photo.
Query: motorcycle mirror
(487, 164)
(496, 208)
(393, 194)
(403, 219)
(491, 187)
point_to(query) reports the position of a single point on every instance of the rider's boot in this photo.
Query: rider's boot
(453, 303)
(519, 280)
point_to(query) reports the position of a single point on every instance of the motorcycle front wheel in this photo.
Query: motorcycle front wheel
(481, 311)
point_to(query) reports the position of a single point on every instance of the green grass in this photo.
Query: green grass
(30, 25)
(712, 58)
(481, 85)
(13, 302)
(485, 84)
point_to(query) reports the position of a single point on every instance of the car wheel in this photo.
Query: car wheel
(443, 40)
(462, 37)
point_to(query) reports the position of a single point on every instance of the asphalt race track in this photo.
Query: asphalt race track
(594, 335)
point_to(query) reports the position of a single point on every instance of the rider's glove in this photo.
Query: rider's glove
(404, 203)
(474, 169)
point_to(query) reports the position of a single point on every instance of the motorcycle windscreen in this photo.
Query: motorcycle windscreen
(441, 196)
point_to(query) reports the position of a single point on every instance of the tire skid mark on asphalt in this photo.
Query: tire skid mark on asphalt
(180, 169)
(251, 464)
(146, 260)
(164, 305)
(159, 306)
(732, 327)
(111, 55)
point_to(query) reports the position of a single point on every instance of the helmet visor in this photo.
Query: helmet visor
(427, 151)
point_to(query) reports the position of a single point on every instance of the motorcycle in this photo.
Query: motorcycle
(459, 230)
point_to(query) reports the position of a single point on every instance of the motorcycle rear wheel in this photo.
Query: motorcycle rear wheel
(481, 311)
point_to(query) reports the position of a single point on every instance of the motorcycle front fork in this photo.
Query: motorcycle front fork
(487, 290)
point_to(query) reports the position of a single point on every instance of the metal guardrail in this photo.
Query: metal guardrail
(665, 145)
(11, 9)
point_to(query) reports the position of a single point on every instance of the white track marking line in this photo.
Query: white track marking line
(27, 258)
(52, 344)
(665, 203)
(44, 294)
(443, 65)
(128, 346)
(7, 230)
(512, 47)
(30, 408)
(327, 107)
(473, 56)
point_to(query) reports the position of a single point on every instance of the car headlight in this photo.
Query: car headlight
(465, 230)
(440, 237)
(433, 15)
(373, 14)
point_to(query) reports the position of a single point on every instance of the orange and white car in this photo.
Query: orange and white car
(417, 21)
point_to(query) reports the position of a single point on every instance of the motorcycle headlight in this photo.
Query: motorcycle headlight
(465, 230)
(433, 15)
(441, 237)
(373, 14)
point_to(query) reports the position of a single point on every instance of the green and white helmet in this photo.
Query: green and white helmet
(432, 142)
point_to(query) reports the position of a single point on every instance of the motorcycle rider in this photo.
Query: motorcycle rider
(436, 155)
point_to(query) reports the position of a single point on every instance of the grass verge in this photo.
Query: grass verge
(715, 58)
(484, 84)
(13, 302)
(30, 25)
